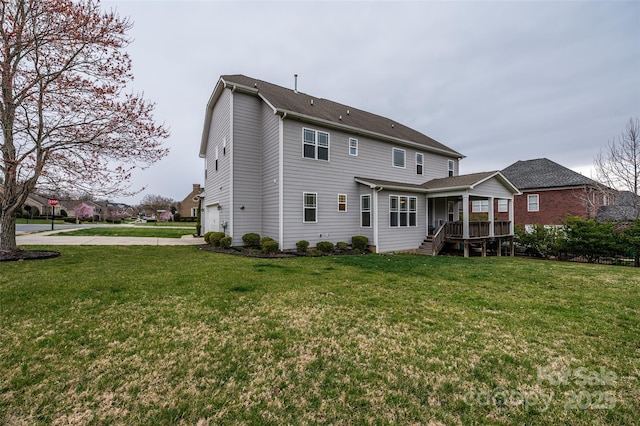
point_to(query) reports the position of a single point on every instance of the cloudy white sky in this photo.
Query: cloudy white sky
(498, 81)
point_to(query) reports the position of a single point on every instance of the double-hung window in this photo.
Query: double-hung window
(315, 144)
(365, 211)
(342, 202)
(533, 203)
(451, 166)
(480, 206)
(353, 147)
(216, 158)
(310, 207)
(399, 158)
(503, 205)
(419, 163)
(403, 211)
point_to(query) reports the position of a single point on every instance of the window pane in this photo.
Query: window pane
(309, 151)
(366, 202)
(323, 139)
(404, 205)
(323, 153)
(419, 169)
(393, 203)
(413, 219)
(393, 219)
(403, 219)
(413, 201)
(309, 136)
(309, 200)
(366, 219)
(309, 215)
(398, 157)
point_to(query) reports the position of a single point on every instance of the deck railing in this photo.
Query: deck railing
(477, 229)
(438, 240)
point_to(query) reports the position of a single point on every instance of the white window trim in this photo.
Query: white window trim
(393, 156)
(362, 210)
(503, 205)
(355, 146)
(421, 163)
(399, 210)
(451, 167)
(304, 206)
(481, 204)
(316, 145)
(529, 198)
(345, 203)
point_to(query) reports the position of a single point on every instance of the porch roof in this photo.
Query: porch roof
(467, 182)
(388, 184)
(462, 183)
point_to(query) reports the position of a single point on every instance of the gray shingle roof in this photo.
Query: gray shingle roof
(544, 173)
(462, 181)
(287, 100)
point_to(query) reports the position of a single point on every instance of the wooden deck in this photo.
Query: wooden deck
(452, 232)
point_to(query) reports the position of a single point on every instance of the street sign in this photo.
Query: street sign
(53, 202)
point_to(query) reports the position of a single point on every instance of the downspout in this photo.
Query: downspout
(231, 151)
(281, 181)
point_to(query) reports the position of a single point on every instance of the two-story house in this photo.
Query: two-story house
(294, 167)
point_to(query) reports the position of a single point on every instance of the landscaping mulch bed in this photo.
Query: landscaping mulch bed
(252, 252)
(10, 255)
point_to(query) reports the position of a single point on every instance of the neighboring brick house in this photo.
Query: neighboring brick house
(551, 191)
(188, 207)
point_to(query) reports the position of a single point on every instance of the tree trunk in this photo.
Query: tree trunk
(8, 232)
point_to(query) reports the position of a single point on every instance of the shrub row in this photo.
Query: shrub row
(586, 238)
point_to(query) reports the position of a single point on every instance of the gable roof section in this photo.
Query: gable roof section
(544, 173)
(292, 104)
(452, 183)
(468, 181)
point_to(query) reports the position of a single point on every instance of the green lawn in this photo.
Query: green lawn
(174, 335)
(124, 231)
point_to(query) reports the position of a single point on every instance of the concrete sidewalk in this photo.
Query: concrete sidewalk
(47, 239)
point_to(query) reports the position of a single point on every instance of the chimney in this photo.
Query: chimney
(295, 90)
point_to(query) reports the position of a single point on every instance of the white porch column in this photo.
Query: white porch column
(511, 216)
(426, 212)
(374, 201)
(465, 216)
(490, 213)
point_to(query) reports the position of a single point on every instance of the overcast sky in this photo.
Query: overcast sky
(496, 81)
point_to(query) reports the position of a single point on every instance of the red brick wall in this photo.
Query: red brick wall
(554, 206)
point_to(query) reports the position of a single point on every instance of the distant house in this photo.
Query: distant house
(625, 208)
(294, 167)
(188, 207)
(551, 191)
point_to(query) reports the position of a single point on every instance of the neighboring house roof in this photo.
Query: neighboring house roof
(544, 173)
(290, 103)
(452, 183)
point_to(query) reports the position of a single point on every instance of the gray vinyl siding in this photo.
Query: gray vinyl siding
(437, 166)
(217, 182)
(336, 176)
(247, 166)
(492, 188)
(400, 237)
(270, 173)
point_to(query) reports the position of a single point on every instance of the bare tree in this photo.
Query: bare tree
(151, 204)
(66, 120)
(618, 166)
